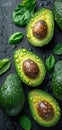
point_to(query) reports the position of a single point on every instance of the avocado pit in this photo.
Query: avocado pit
(30, 68)
(39, 29)
(45, 110)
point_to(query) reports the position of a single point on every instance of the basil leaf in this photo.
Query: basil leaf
(29, 4)
(15, 38)
(50, 62)
(4, 65)
(58, 49)
(23, 12)
(25, 122)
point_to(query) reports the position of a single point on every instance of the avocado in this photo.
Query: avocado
(40, 28)
(58, 12)
(44, 108)
(30, 68)
(12, 96)
(57, 80)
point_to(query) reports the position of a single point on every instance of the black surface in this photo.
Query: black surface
(6, 29)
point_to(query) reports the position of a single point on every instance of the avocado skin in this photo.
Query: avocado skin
(47, 16)
(57, 80)
(58, 12)
(12, 96)
(22, 54)
(38, 95)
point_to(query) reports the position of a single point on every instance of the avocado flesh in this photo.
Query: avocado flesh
(47, 16)
(36, 96)
(57, 80)
(19, 57)
(12, 96)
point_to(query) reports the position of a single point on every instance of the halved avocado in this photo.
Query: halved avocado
(40, 28)
(29, 67)
(44, 108)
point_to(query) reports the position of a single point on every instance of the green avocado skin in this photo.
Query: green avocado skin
(36, 96)
(57, 80)
(22, 54)
(58, 12)
(12, 96)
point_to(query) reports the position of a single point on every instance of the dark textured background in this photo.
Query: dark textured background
(6, 50)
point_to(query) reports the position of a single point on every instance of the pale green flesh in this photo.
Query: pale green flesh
(19, 57)
(47, 16)
(36, 96)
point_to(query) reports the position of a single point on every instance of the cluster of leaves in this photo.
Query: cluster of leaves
(50, 61)
(23, 12)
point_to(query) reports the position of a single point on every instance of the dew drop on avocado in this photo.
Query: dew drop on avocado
(45, 110)
(39, 29)
(30, 68)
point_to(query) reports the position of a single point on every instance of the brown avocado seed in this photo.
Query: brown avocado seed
(39, 29)
(30, 68)
(45, 110)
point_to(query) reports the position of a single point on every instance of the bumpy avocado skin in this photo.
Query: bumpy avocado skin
(23, 54)
(57, 80)
(12, 96)
(36, 96)
(47, 16)
(58, 12)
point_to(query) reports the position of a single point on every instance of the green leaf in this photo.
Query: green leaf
(29, 4)
(15, 38)
(25, 122)
(50, 62)
(23, 12)
(58, 49)
(4, 65)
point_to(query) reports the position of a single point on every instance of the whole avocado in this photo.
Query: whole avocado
(12, 96)
(44, 108)
(57, 80)
(58, 12)
(40, 28)
(30, 67)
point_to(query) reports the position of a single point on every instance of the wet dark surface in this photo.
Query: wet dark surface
(6, 50)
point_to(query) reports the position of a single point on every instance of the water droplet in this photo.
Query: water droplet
(51, 100)
(18, 67)
(18, 61)
(31, 98)
(30, 49)
(34, 101)
(40, 4)
(57, 113)
(28, 35)
(32, 20)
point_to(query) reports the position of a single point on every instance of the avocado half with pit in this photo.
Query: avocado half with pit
(40, 28)
(44, 108)
(30, 67)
